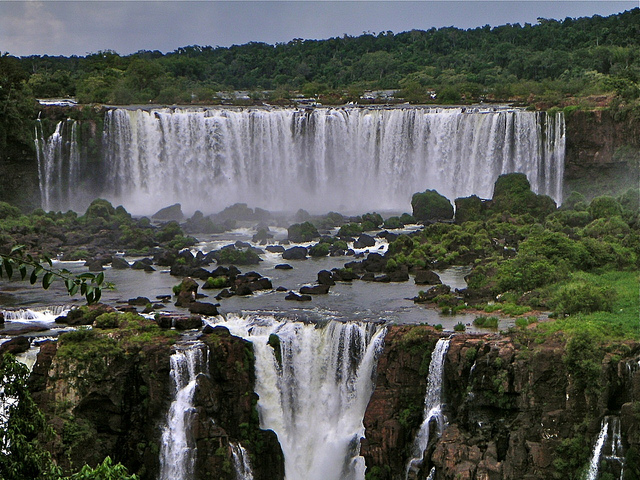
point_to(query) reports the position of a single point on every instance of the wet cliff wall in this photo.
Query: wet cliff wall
(517, 407)
(601, 151)
(104, 398)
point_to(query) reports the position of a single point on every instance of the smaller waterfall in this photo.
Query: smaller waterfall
(608, 448)
(314, 385)
(178, 453)
(35, 314)
(432, 408)
(241, 462)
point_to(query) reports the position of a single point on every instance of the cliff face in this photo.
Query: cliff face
(115, 402)
(516, 409)
(598, 145)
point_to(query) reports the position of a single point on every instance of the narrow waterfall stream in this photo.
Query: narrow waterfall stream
(607, 448)
(178, 450)
(241, 462)
(432, 408)
(314, 382)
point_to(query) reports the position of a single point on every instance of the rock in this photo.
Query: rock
(364, 241)
(15, 346)
(224, 293)
(187, 292)
(140, 265)
(431, 206)
(127, 309)
(400, 274)
(94, 265)
(140, 301)
(315, 290)
(295, 253)
(173, 212)
(203, 308)
(261, 284)
(275, 248)
(1, 318)
(187, 323)
(119, 263)
(374, 262)
(281, 289)
(243, 289)
(427, 277)
(298, 298)
(432, 293)
(164, 321)
(166, 258)
(368, 277)
(283, 266)
(325, 278)
(344, 275)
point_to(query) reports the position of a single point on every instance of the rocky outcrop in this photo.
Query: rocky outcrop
(111, 398)
(598, 144)
(516, 409)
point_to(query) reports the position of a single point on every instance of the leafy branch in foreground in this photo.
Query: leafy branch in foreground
(88, 284)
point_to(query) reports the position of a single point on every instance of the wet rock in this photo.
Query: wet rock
(187, 292)
(187, 323)
(315, 290)
(275, 249)
(364, 241)
(140, 301)
(283, 266)
(298, 298)
(432, 293)
(119, 263)
(295, 253)
(204, 308)
(172, 212)
(427, 277)
(15, 346)
(325, 278)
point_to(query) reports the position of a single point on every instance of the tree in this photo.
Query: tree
(17, 260)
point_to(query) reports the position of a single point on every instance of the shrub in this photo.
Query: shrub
(319, 250)
(430, 205)
(107, 320)
(8, 211)
(217, 282)
(407, 219)
(459, 327)
(302, 232)
(525, 273)
(512, 193)
(486, 322)
(604, 207)
(349, 230)
(469, 209)
(168, 231)
(393, 222)
(584, 297)
(99, 208)
(374, 219)
(237, 257)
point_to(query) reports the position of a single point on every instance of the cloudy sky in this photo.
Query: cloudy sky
(81, 27)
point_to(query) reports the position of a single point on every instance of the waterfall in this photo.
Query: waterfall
(608, 448)
(35, 314)
(58, 165)
(348, 158)
(313, 391)
(178, 453)
(432, 408)
(241, 462)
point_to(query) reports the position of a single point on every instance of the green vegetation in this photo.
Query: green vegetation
(486, 322)
(22, 453)
(430, 205)
(302, 232)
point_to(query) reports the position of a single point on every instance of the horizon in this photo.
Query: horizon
(85, 28)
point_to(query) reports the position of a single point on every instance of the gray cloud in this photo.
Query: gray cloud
(77, 28)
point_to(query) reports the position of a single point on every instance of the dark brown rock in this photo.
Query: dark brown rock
(427, 277)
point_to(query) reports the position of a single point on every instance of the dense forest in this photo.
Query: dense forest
(588, 62)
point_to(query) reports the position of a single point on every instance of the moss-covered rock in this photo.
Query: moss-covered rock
(469, 209)
(302, 232)
(430, 205)
(512, 193)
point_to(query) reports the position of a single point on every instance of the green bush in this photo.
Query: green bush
(350, 230)
(374, 219)
(430, 205)
(8, 211)
(217, 282)
(237, 257)
(486, 322)
(168, 231)
(107, 320)
(302, 232)
(99, 208)
(459, 327)
(582, 297)
(525, 273)
(512, 193)
(604, 207)
(393, 222)
(407, 219)
(319, 250)
(469, 209)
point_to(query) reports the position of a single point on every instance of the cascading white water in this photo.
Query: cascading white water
(241, 462)
(608, 447)
(432, 407)
(315, 399)
(36, 314)
(178, 451)
(58, 165)
(353, 159)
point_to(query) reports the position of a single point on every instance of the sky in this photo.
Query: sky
(81, 27)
